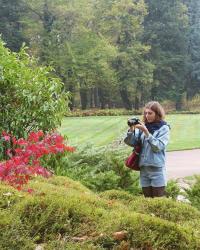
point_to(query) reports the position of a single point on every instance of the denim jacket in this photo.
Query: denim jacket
(153, 146)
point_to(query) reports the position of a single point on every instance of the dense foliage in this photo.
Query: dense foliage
(28, 157)
(112, 53)
(99, 169)
(166, 31)
(193, 48)
(11, 26)
(193, 193)
(102, 169)
(63, 214)
(31, 98)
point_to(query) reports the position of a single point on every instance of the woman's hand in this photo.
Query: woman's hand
(142, 127)
(132, 128)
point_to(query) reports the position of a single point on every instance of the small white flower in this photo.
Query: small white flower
(182, 199)
(7, 194)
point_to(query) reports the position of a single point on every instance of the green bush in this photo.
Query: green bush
(102, 112)
(65, 182)
(12, 233)
(119, 195)
(119, 112)
(172, 189)
(58, 215)
(146, 232)
(193, 104)
(191, 112)
(31, 97)
(103, 169)
(165, 209)
(100, 169)
(45, 219)
(193, 193)
(9, 197)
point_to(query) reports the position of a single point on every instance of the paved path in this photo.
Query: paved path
(183, 163)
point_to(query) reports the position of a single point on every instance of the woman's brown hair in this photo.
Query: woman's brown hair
(157, 108)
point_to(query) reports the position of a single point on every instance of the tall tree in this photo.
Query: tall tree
(121, 21)
(80, 56)
(11, 26)
(166, 28)
(193, 84)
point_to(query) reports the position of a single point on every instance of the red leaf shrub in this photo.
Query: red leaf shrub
(26, 154)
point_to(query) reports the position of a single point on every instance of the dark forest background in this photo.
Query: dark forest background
(111, 53)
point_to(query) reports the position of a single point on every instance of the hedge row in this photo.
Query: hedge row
(101, 112)
(117, 112)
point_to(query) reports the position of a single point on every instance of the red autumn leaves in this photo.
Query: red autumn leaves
(26, 154)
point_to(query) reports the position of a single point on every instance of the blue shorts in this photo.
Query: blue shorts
(152, 176)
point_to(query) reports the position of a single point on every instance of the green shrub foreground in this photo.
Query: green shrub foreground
(63, 214)
(102, 170)
(99, 170)
(193, 193)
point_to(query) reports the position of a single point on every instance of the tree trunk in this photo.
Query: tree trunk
(96, 98)
(154, 93)
(178, 105)
(102, 99)
(137, 103)
(180, 101)
(71, 104)
(92, 103)
(125, 99)
(84, 98)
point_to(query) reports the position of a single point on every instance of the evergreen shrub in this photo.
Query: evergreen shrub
(193, 193)
(100, 169)
(172, 189)
(103, 169)
(12, 232)
(57, 215)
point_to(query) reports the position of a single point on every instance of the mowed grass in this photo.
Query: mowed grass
(104, 130)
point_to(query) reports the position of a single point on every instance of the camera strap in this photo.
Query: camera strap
(139, 136)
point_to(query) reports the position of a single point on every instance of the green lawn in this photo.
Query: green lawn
(103, 130)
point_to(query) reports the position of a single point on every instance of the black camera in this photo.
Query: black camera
(133, 121)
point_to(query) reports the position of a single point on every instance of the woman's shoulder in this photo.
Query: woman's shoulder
(165, 127)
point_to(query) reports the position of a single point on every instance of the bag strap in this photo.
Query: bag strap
(139, 136)
(140, 133)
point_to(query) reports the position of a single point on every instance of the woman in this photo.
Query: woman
(153, 135)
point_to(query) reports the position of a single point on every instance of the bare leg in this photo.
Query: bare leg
(147, 191)
(158, 191)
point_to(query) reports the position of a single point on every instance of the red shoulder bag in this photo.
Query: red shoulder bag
(133, 160)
